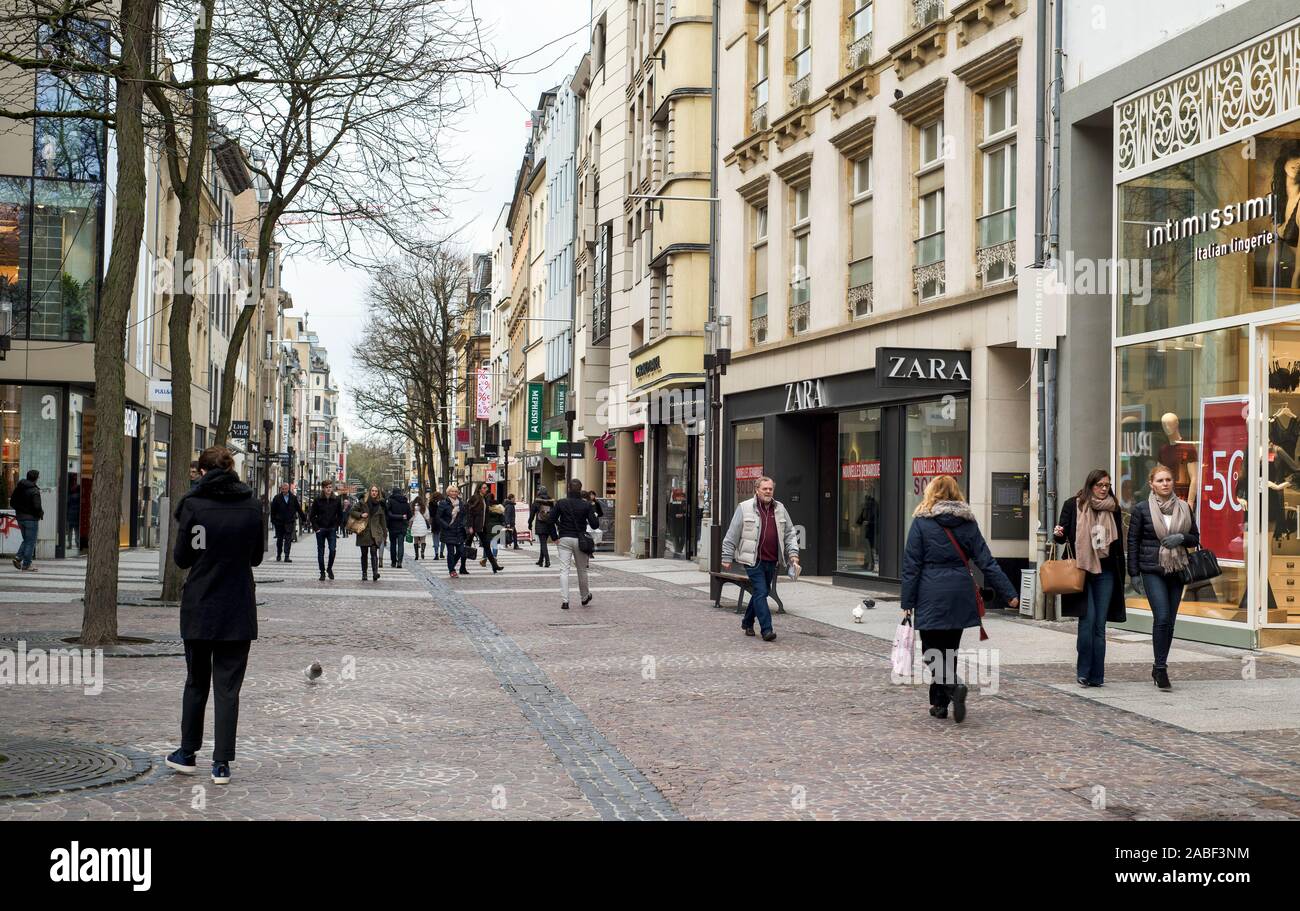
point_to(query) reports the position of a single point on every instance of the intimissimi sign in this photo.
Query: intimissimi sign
(1210, 220)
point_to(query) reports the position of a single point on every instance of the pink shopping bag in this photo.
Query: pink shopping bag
(904, 647)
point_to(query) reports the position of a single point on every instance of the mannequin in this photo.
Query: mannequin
(1179, 456)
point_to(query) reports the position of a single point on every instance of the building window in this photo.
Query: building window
(601, 291)
(758, 275)
(758, 108)
(801, 59)
(861, 25)
(925, 12)
(931, 143)
(67, 147)
(800, 291)
(63, 245)
(861, 298)
(929, 247)
(996, 251)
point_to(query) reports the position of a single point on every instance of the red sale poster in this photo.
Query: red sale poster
(1224, 441)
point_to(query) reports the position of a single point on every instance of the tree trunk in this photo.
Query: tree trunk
(99, 618)
(229, 376)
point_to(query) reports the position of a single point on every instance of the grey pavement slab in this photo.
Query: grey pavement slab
(1207, 705)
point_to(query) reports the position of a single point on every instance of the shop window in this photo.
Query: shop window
(1181, 397)
(15, 240)
(64, 260)
(858, 516)
(1211, 237)
(937, 443)
(748, 459)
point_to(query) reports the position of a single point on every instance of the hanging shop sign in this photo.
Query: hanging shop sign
(160, 391)
(462, 439)
(535, 391)
(1220, 513)
(484, 397)
(239, 430)
(922, 367)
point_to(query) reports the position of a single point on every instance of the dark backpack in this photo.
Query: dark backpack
(544, 512)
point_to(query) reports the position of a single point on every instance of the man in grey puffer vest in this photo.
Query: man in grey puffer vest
(761, 535)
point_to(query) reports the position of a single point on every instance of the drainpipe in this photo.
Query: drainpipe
(1054, 241)
(713, 381)
(1040, 245)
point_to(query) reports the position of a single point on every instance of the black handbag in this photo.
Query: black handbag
(586, 543)
(1201, 566)
(471, 552)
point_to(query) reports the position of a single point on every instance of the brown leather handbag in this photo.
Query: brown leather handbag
(1060, 577)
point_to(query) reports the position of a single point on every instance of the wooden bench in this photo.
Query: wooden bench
(741, 581)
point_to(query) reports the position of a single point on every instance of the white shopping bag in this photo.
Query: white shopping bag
(904, 646)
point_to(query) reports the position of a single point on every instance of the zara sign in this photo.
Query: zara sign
(922, 367)
(805, 395)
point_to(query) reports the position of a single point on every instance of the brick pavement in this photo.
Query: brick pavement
(691, 718)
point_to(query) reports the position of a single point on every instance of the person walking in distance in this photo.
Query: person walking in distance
(435, 530)
(326, 517)
(419, 528)
(219, 540)
(399, 520)
(512, 537)
(541, 523)
(451, 524)
(1091, 523)
(1160, 530)
(760, 537)
(574, 519)
(285, 510)
(370, 539)
(938, 591)
(477, 524)
(26, 503)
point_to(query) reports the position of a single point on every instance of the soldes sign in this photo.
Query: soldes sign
(922, 366)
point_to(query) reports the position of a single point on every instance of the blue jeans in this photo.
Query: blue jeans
(436, 538)
(27, 550)
(1164, 593)
(762, 574)
(325, 536)
(454, 556)
(1097, 588)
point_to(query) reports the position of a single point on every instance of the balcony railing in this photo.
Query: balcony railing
(758, 318)
(758, 114)
(860, 46)
(802, 84)
(800, 292)
(861, 289)
(926, 11)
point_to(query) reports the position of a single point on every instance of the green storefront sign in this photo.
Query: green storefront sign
(535, 411)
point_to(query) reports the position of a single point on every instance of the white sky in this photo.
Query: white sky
(489, 139)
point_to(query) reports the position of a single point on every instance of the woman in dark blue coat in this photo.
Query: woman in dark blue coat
(938, 590)
(451, 527)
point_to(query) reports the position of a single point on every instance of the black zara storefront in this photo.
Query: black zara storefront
(851, 454)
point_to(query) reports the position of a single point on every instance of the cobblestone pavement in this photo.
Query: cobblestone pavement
(493, 703)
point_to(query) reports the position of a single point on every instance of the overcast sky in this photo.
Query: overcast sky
(489, 139)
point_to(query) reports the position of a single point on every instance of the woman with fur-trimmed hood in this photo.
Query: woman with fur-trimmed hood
(938, 589)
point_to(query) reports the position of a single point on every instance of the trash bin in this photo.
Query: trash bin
(640, 536)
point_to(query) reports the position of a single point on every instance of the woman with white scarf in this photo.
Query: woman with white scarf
(1160, 530)
(1090, 525)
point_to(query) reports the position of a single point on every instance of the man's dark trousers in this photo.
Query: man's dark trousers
(326, 535)
(283, 540)
(219, 666)
(762, 574)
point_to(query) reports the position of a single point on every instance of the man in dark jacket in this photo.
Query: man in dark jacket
(285, 510)
(512, 538)
(574, 518)
(398, 513)
(219, 540)
(326, 517)
(541, 521)
(26, 503)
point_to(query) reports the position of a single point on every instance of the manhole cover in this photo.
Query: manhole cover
(128, 647)
(34, 767)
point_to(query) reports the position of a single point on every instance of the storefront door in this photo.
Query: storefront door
(1277, 602)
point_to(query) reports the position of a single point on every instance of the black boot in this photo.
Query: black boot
(957, 692)
(1161, 676)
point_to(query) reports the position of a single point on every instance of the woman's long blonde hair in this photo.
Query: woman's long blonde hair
(944, 487)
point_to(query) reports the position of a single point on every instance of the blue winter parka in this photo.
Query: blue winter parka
(937, 587)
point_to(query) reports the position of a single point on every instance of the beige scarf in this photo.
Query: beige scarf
(1170, 517)
(1094, 515)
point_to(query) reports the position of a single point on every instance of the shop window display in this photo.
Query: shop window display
(938, 443)
(858, 517)
(1184, 403)
(748, 459)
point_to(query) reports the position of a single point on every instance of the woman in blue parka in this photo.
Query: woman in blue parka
(939, 592)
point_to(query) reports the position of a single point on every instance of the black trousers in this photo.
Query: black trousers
(485, 542)
(373, 552)
(936, 644)
(283, 540)
(545, 555)
(217, 666)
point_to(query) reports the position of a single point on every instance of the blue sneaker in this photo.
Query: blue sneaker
(221, 773)
(182, 761)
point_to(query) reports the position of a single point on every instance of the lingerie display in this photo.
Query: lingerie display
(1284, 433)
(1284, 377)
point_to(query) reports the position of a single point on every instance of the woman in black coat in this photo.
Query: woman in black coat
(451, 528)
(1160, 530)
(481, 520)
(219, 540)
(1102, 598)
(541, 520)
(938, 590)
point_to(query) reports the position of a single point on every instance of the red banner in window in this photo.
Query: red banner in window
(860, 471)
(1220, 512)
(933, 466)
(749, 472)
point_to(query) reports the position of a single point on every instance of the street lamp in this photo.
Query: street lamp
(505, 475)
(717, 355)
(268, 420)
